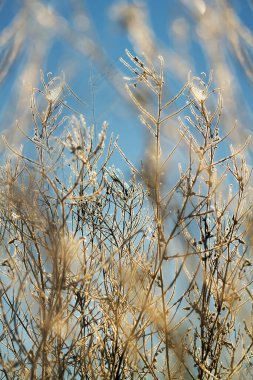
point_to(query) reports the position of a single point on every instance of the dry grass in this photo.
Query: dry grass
(107, 279)
(151, 278)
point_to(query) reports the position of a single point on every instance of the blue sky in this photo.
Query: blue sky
(92, 83)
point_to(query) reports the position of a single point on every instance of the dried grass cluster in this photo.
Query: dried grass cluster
(105, 278)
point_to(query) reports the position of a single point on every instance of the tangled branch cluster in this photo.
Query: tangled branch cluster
(103, 278)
